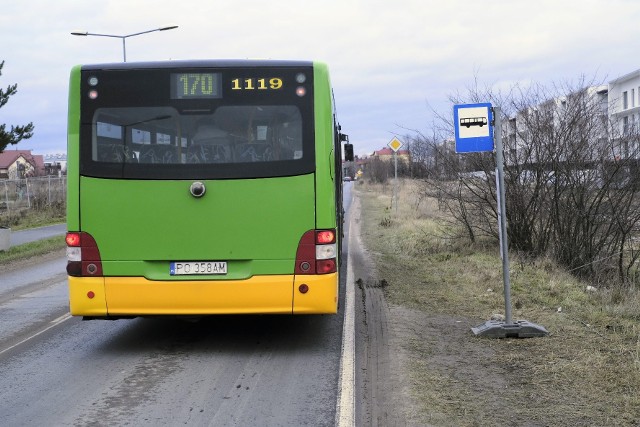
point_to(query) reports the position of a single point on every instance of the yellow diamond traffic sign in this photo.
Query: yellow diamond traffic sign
(395, 144)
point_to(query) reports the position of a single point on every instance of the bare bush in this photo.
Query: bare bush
(569, 177)
(379, 171)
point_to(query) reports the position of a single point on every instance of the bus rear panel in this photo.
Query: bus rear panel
(201, 188)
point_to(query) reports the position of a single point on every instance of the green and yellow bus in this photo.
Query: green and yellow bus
(203, 187)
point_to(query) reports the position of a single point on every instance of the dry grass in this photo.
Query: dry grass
(587, 372)
(30, 218)
(22, 254)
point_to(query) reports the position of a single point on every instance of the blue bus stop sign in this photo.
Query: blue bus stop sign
(474, 127)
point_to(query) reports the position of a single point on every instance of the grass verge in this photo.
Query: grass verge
(587, 372)
(30, 250)
(32, 218)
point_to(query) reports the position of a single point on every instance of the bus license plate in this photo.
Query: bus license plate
(198, 267)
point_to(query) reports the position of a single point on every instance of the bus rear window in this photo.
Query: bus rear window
(229, 142)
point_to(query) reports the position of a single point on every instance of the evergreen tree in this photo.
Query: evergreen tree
(16, 133)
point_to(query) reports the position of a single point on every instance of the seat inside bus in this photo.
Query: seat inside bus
(156, 153)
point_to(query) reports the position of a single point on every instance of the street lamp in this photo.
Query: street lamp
(124, 47)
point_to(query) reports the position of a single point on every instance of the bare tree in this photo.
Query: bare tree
(378, 170)
(16, 133)
(570, 179)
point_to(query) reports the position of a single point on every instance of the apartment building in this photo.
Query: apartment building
(624, 111)
(531, 132)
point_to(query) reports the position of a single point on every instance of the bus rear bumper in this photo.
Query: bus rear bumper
(97, 297)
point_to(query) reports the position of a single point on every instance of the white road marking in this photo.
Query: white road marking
(53, 323)
(345, 411)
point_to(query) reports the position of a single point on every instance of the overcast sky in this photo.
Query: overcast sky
(390, 61)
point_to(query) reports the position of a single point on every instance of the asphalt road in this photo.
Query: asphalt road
(31, 235)
(223, 370)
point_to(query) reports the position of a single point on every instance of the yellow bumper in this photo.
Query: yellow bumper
(137, 296)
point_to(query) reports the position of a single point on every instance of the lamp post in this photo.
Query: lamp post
(124, 38)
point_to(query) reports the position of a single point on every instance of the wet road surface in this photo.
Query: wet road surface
(222, 370)
(31, 235)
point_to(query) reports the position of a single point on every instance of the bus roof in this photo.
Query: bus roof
(201, 63)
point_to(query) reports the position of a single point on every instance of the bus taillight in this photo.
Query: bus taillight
(73, 239)
(317, 253)
(324, 237)
(83, 256)
(326, 266)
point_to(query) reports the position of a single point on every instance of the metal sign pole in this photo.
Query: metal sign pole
(508, 328)
(502, 218)
(395, 145)
(395, 180)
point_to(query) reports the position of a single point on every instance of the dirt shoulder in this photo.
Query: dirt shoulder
(419, 364)
(376, 383)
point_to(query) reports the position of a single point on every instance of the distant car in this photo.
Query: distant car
(346, 178)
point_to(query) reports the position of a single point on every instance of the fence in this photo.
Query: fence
(32, 193)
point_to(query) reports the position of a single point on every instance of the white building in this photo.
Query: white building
(559, 113)
(624, 110)
(55, 164)
(624, 100)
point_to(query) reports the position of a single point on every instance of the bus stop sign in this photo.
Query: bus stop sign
(474, 127)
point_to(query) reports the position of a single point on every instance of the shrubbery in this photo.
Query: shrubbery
(571, 180)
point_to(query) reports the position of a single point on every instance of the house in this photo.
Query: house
(55, 164)
(386, 154)
(16, 164)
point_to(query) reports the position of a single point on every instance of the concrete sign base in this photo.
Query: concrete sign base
(518, 329)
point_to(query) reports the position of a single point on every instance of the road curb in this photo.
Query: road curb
(345, 411)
